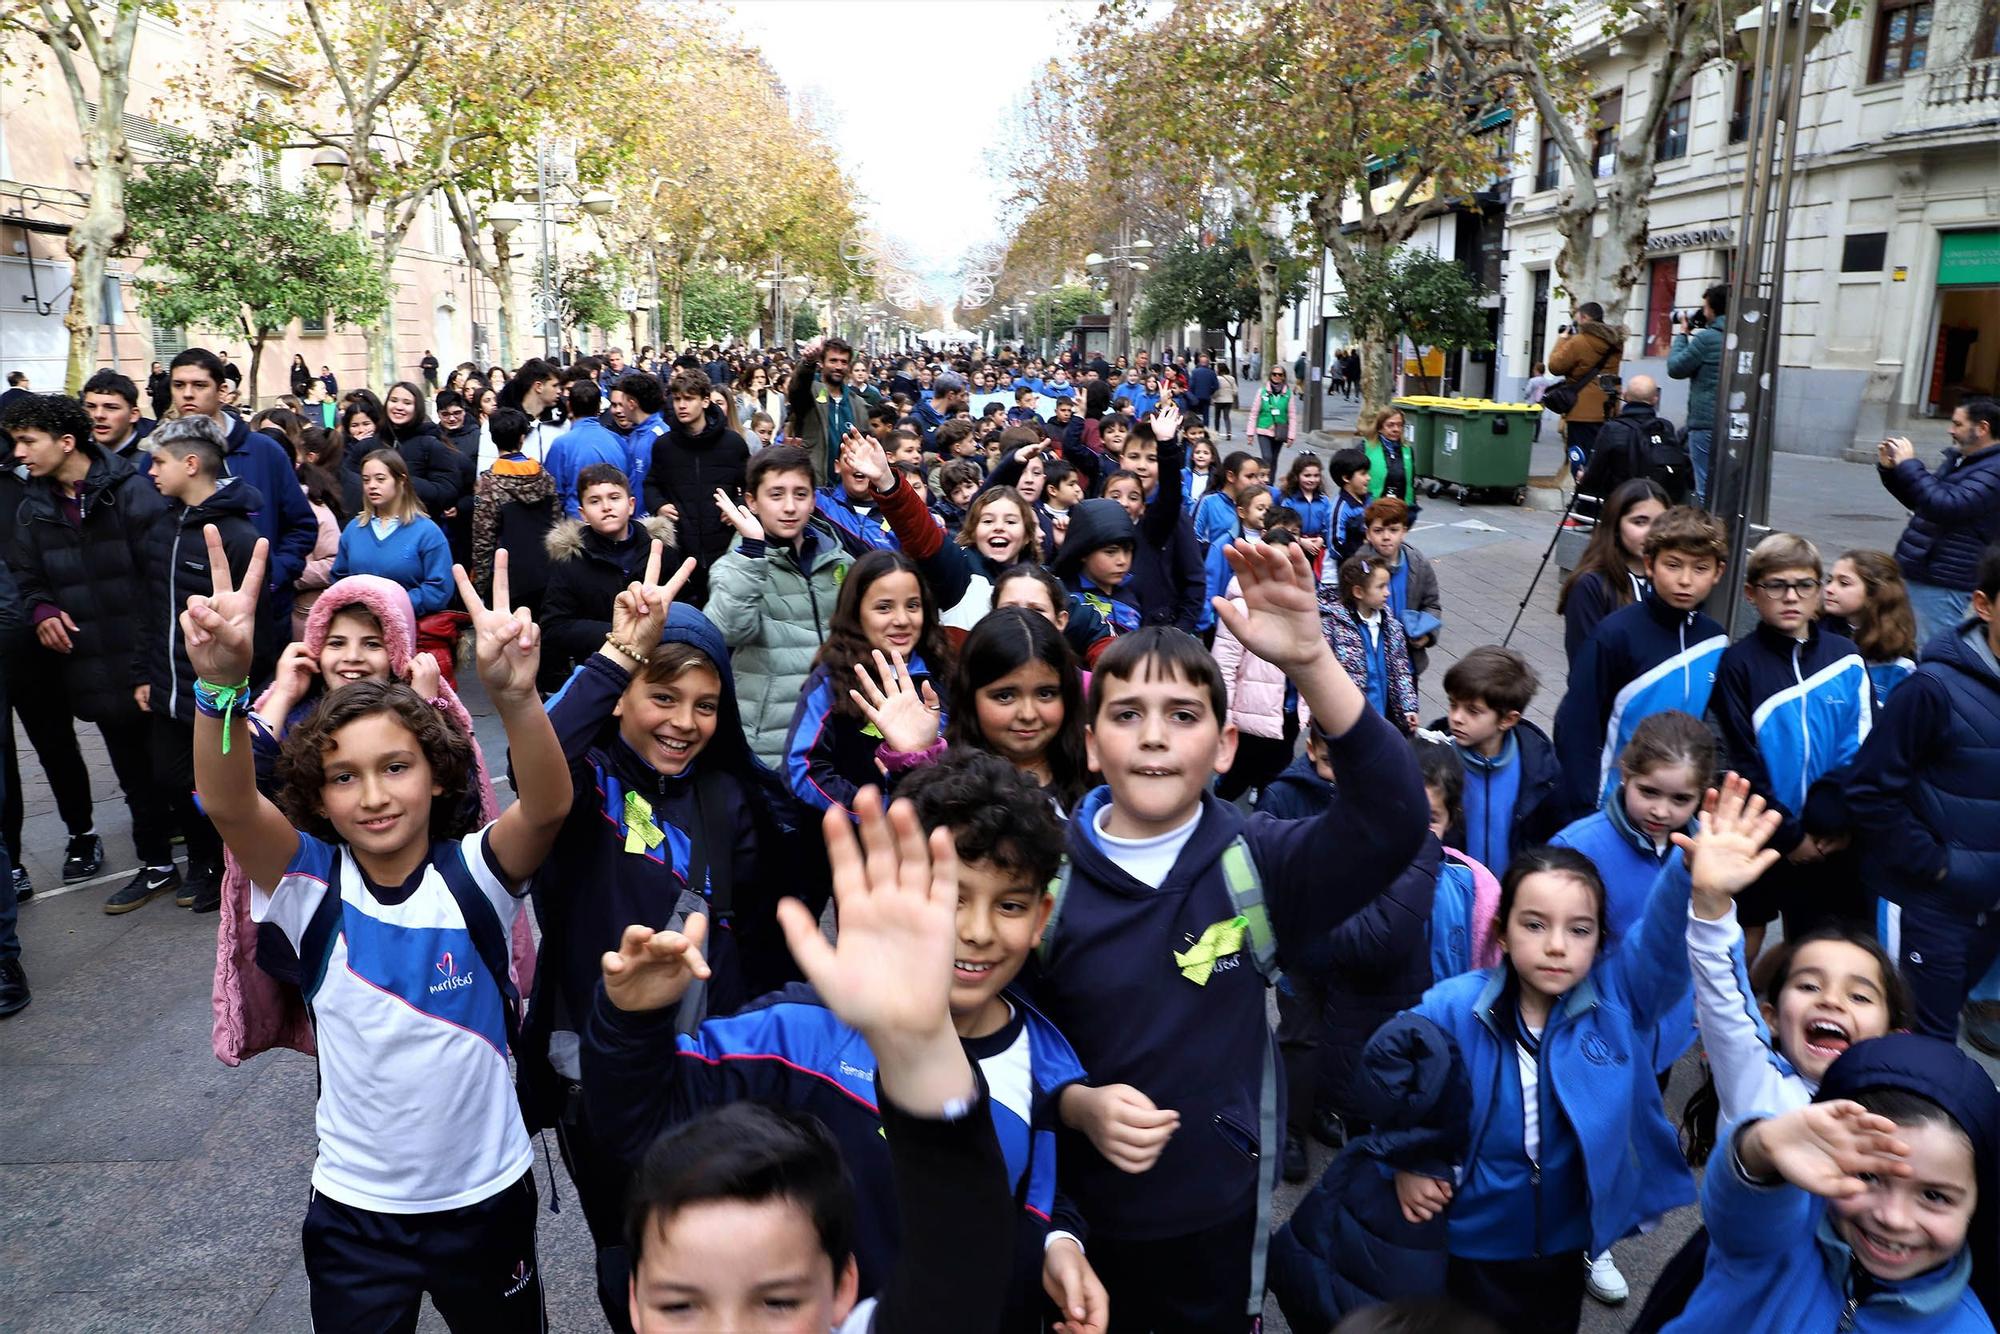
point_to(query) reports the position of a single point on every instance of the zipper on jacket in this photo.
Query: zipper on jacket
(173, 663)
(1847, 1313)
(1805, 716)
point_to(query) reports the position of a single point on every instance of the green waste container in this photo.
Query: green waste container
(1421, 429)
(1484, 446)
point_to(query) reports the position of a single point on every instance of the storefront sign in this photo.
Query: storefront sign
(1697, 238)
(1969, 258)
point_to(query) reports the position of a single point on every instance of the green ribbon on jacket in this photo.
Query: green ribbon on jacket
(1219, 941)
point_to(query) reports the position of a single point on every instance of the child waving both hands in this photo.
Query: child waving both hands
(396, 902)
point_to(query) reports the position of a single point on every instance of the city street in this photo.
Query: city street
(144, 1186)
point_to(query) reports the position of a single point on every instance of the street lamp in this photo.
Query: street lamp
(330, 163)
(1126, 259)
(1778, 36)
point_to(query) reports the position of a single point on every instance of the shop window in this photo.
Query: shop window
(1902, 39)
(1663, 282)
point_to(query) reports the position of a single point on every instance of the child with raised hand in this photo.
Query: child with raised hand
(396, 901)
(1178, 907)
(995, 843)
(1872, 1209)
(1253, 505)
(1569, 1149)
(1261, 702)
(885, 611)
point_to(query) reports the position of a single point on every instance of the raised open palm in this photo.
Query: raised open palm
(220, 629)
(889, 974)
(1826, 1146)
(1726, 854)
(1279, 620)
(906, 717)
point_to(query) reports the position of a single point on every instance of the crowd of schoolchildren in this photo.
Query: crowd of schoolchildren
(911, 831)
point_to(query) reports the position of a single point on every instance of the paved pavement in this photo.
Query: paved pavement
(144, 1186)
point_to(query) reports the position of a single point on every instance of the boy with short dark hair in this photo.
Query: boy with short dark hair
(957, 483)
(188, 470)
(1511, 775)
(1659, 653)
(1413, 584)
(772, 595)
(1177, 908)
(795, 1050)
(1923, 798)
(1793, 702)
(592, 560)
(1215, 517)
(1168, 579)
(955, 439)
(1348, 469)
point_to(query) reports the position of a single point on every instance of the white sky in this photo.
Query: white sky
(910, 91)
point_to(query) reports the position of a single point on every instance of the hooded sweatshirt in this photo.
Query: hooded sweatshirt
(177, 569)
(687, 469)
(1775, 1260)
(253, 1010)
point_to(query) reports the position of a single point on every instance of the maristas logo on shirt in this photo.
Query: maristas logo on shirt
(453, 979)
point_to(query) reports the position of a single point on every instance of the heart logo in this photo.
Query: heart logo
(445, 966)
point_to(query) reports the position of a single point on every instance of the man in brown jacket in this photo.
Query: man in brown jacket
(1590, 339)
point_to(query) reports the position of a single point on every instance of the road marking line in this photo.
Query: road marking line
(61, 890)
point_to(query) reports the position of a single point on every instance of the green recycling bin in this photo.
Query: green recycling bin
(1420, 426)
(1484, 446)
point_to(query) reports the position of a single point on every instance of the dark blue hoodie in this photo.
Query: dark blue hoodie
(1925, 788)
(1641, 660)
(606, 872)
(283, 518)
(1111, 983)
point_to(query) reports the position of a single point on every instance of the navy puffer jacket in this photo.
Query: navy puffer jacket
(1348, 1245)
(1954, 516)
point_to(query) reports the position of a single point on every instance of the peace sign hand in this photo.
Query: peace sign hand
(219, 630)
(509, 643)
(906, 718)
(640, 612)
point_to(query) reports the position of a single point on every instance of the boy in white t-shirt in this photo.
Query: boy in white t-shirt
(396, 901)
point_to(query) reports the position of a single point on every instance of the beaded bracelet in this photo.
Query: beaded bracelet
(216, 701)
(618, 646)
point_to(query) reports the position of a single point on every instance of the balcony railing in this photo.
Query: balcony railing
(1975, 81)
(1952, 98)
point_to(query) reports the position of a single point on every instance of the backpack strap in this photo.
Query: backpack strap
(1246, 895)
(316, 944)
(489, 933)
(1058, 889)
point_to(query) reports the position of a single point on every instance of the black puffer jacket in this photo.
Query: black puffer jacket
(1954, 516)
(1348, 1245)
(1376, 963)
(176, 569)
(434, 468)
(91, 571)
(587, 573)
(685, 472)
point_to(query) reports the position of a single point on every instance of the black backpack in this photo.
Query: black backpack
(1660, 457)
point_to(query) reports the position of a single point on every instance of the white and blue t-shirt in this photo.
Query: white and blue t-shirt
(417, 1111)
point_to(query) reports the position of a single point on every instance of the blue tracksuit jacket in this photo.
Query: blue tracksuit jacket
(1346, 532)
(1451, 919)
(639, 444)
(1775, 1266)
(641, 1077)
(1596, 1070)
(1315, 515)
(1215, 519)
(1629, 864)
(1202, 1046)
(830, 753)
(1641, 660)
(584, 443)
(1792, 713)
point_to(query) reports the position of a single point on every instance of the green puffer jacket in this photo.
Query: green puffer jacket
(774, 616)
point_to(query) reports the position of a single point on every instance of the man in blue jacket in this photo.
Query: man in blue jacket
(1202, 387)
(283, 519)
(587, 441)
(1954, 514)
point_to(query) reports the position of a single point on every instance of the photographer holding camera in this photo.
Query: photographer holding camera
(1588, 360)
(1696, 355)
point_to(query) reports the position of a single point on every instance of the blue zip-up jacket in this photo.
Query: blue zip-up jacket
(1347, 1245)
(1347, 530)
(1641, 660)
(584, 443)
(284, 519)
(639, 442)
(1629, 865)
(1202, 1046)
(860, 533)
(1215, 519)
(1793, 713)
(829, 752)
(1535, 812)
(1954, 516)
(1451, 919)
(1315, 515)
(1596, 1069)
(1925, 789)
(642, 1077)
(1217, 574)
(414, 554)
(1775, 1266)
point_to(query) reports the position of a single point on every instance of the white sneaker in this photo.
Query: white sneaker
(1602, 1278)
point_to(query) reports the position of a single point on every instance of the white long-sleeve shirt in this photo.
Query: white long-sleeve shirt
(1750, 1075)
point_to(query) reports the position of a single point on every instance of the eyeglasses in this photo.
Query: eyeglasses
(1779, 588)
